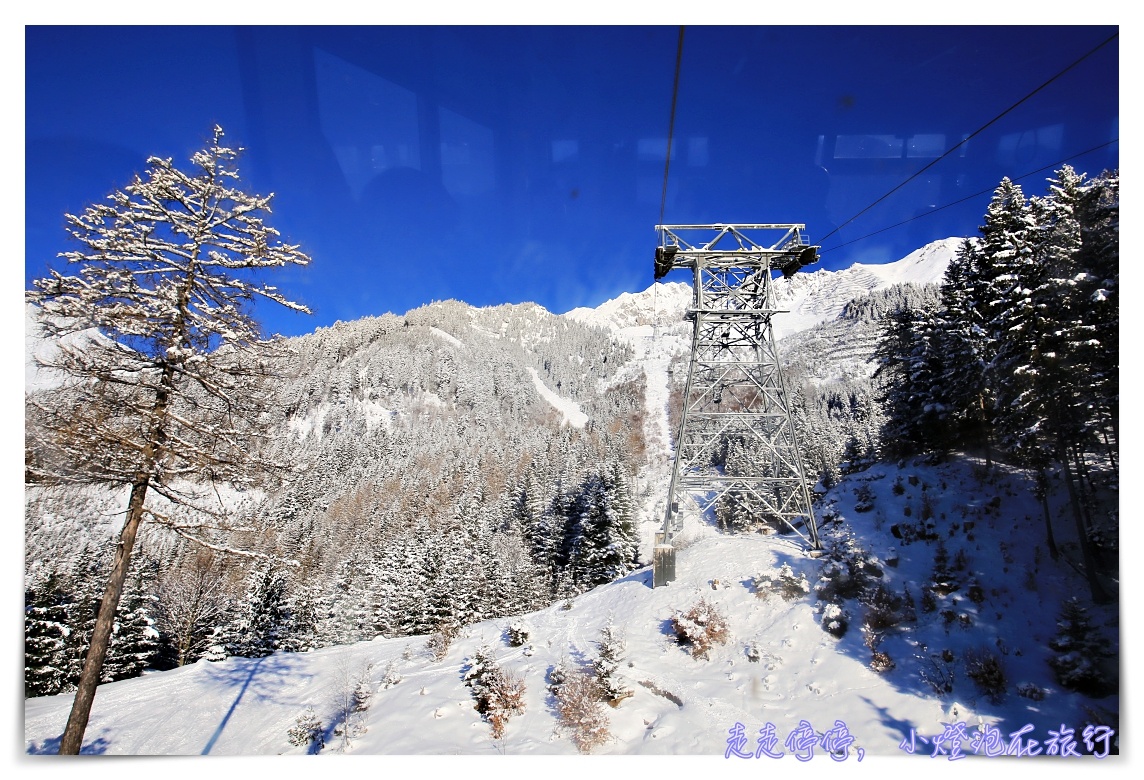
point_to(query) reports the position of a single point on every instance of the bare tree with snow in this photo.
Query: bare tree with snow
(164, 386)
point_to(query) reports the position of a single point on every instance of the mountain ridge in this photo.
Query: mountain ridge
(807, 299)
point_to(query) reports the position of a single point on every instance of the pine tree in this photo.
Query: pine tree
(1048, 341)
(163, 394)
(498, 695)
(307, 731)
(349, 616)
(610, 651)
(45, 639)
(262, 621)
(1082, 652)
(1097, 293)
(600, 535)
(977, 296)
(134, 641)
(303, 606)
(911, 366)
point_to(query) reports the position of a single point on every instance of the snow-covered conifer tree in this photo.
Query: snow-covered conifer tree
(611, 649)
(262, 621)
(45, 639)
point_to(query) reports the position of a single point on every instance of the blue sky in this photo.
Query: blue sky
(506, 164)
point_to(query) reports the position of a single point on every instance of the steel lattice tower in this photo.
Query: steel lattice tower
(736, 450)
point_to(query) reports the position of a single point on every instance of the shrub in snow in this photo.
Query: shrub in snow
(756, 654)
(927, 507)
(439, 643)
(938, 672)
(1031, 691)
(1081, 652)
(883, 608)
(517, 633)
(879, 661)
(307, 730)
(701, 627)
(835, 620)
(944, 579)
(352, 697)
(985, 669)
(909, 611)
(363, 689)
(784, 583)
(557, 674)
(1030, 580)
(753, 651)
(391, 677)
(847, 572)
(498, 694)
(579, 710)
(865, 498)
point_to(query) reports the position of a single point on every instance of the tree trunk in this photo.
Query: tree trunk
(72, 738)
(1082, 479)
(1042, 490)
(986, 434)
(1113, 460)
(1098, 594)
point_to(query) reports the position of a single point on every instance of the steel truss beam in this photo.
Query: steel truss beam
(737, 449)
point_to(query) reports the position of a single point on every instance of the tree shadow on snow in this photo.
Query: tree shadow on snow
(51, 747)
(258, 679)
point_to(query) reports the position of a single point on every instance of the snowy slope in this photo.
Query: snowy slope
(819, 296)
(681, 704)
(807, 298)
(38, 348)
(569, 409)
(663, 302)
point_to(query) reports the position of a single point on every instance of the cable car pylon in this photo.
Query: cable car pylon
(736, 453)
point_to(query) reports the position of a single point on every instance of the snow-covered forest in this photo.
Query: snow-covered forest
(472, 493)
(435, 487)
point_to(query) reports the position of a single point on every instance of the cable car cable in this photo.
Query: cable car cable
(666, 169)
(671, 122)
(974, 195)
(976, 132)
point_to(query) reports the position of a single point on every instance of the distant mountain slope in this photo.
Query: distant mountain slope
(808, 298)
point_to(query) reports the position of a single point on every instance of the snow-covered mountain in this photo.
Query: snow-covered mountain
(807, 298)
(663, 302)
(428, 433)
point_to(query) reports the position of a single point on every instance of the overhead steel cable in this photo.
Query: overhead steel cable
(671, 122)
(976, 132)
(667, 168)
(974, 195)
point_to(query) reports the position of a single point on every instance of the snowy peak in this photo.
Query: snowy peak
(813, 298)
(663, 302)
(922, 266)
(807, 299)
